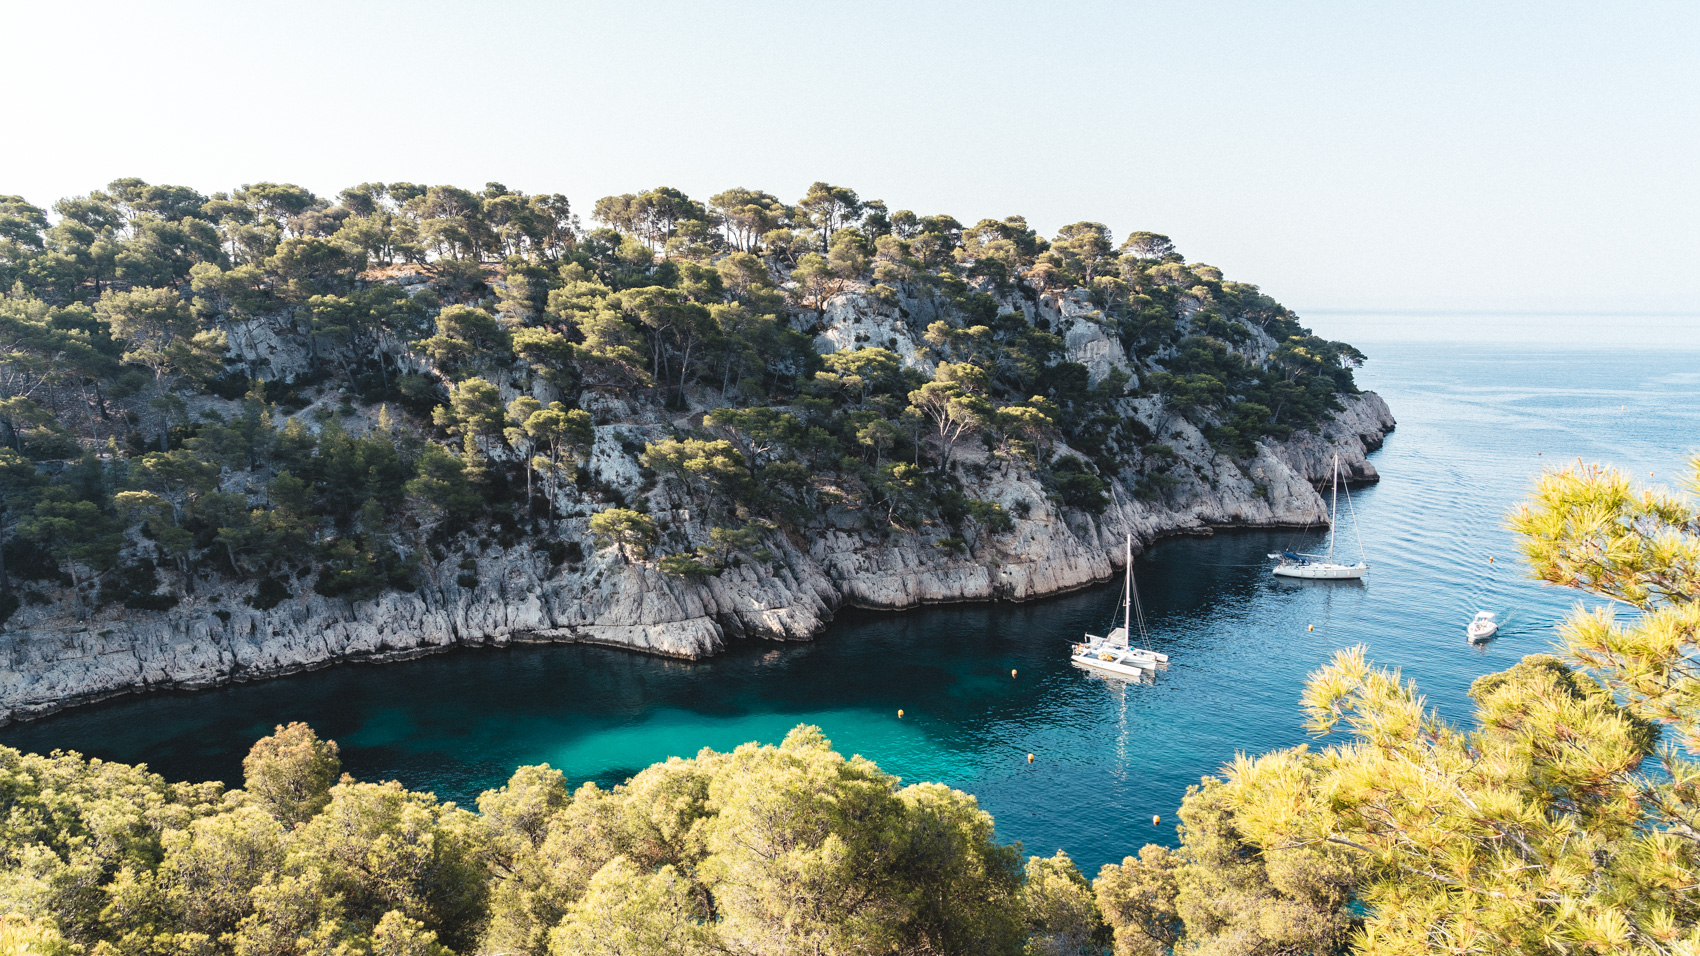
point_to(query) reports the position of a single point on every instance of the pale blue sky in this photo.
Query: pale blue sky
(1345, 156)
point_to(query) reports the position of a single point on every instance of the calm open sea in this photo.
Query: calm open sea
(1476, 426)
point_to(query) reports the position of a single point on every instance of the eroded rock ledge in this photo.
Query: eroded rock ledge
(54, 664)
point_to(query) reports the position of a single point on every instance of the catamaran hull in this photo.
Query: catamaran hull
(1321, 572)
(1116, 643)
(1114, 668)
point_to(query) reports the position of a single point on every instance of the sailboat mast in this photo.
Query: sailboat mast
(1334, 509)
(1127, 600)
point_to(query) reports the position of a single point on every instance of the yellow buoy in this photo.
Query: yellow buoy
(1012, 672)
(1029, 758)
(1155, 819)
(1313, 627)
(1490, 559)
(899, 713)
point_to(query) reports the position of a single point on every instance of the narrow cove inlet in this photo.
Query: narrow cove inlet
(657, 502)
(1108, 756)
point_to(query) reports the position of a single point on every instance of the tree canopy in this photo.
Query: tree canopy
(286, 393)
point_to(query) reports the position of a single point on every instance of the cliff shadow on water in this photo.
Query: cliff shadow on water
(457, 722)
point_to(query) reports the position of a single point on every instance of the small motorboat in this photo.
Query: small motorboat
(1482, 626)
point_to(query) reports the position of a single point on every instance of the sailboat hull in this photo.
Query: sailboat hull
(1321, 571)
(1295, 566)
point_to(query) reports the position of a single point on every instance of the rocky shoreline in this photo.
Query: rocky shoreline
(521, 597)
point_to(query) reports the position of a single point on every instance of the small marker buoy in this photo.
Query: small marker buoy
(1313, 627)
(899, 713)
(1029, 758)
(1490, 559)
(1155, 819)
(1012, 672)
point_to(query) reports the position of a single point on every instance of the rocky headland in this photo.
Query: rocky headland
(520, 593)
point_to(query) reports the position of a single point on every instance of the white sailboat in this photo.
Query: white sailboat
(1112, 654)
(1289, 564)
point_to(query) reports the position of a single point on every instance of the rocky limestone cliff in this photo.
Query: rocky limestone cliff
(605, 600)
(522, 595)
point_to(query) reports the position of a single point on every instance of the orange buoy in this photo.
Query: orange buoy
(1029, 758)
(899, 713)
(1490, 559)
(1155, 819)
(1313, 627)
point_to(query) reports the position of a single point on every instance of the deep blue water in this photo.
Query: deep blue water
(1476, 426)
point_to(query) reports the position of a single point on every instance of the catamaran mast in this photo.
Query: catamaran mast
(1334, 509)
(1127, 598)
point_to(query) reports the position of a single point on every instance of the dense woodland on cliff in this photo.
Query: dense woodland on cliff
(1555, 824)
(462, 347)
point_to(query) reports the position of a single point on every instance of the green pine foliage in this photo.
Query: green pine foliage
(785, 849)
(445, 357)
(1560, 821)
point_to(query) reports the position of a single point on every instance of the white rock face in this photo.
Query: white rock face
(855, 320)
(54, 662)
(1080, 323)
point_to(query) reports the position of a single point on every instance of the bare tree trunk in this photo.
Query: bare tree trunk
(164, 414)
(684, 370)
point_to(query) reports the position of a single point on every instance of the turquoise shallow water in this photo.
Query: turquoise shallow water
(1109, 756)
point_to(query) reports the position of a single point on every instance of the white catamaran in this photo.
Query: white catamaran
(1289, 564)
(1111, 654)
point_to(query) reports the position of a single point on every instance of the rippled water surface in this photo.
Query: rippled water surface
(1475, 426)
